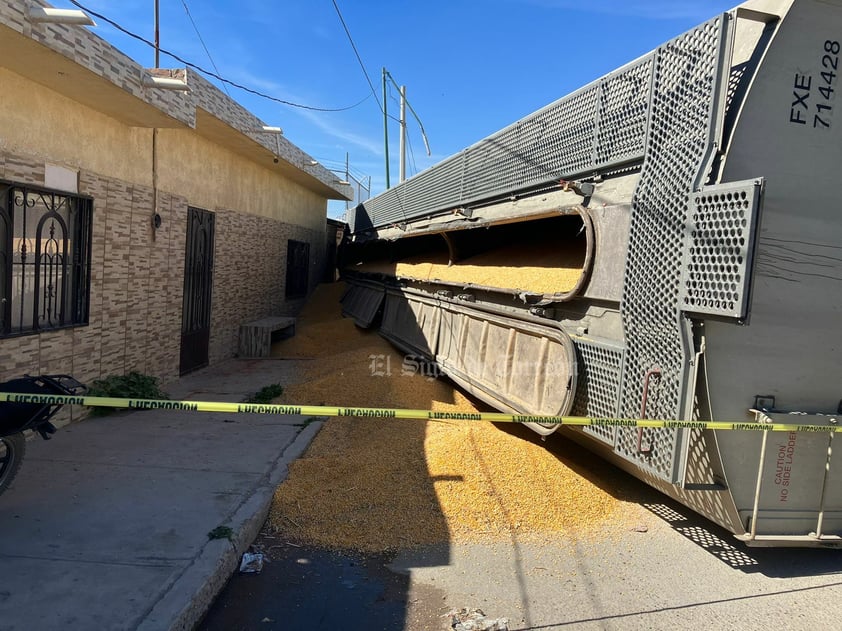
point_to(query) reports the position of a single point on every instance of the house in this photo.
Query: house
(140, 227)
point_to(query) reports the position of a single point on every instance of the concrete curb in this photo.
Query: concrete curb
(188, 598)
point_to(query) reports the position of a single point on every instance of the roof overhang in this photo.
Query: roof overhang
(83, 67)
(26, 57)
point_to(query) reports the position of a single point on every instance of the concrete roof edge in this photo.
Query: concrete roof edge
(221, 106)
(101, 62)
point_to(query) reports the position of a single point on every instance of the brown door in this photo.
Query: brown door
(198, 285)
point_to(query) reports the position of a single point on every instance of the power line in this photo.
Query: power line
(412, 155)
(395, 99)
(207, 52)
(356, 52)
(399, 121)
(214, 75)
(413, 112)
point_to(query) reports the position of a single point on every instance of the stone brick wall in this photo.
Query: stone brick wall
(137, 277)
(250, 274)
(135, 293)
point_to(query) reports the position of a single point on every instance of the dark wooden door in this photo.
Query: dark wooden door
(198, 286)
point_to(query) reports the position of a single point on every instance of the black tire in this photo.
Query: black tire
(12, 449)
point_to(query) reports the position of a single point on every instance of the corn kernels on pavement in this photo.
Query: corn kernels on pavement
(646, 563)
(375, 485)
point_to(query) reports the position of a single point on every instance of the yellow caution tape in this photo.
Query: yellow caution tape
(323, 410)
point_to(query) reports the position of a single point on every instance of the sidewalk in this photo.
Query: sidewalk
(106, 524)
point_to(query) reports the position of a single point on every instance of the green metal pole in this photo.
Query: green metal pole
(156, 17)
(386, 128)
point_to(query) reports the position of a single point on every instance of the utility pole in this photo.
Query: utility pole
(403, 134)
(347, 177)
(155, 216)
(386, 128)
(404, 105)
(157, 36)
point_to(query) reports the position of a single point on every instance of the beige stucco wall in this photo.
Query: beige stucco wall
(229, 181)
(39, 122)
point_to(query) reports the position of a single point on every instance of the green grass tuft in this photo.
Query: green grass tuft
(133, 385)
(266, 394)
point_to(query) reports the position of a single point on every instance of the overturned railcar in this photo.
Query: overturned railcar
(664, 243)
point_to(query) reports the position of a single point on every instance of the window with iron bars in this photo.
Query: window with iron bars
(45, 259)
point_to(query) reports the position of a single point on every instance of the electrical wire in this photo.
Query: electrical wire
(411, 155)
(214, 74)
(413, 112)
(201, 39)
(359, 59)
(398, 120)
(393, 98)
(408, 138)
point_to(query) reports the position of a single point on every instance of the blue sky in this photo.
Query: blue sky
(471, 68)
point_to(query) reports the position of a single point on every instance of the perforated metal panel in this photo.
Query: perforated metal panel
(684, 97)
(598, 127)
(737, 77)
(598, 385)
(717, 263)
(623, 113)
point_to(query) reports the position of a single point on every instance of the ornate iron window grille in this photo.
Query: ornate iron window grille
(45, 253)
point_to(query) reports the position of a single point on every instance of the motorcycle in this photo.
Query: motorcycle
(16, 418)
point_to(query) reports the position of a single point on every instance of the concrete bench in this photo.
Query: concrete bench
(256, 337)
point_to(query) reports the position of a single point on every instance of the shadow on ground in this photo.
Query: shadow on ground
(362, 485)
(307, 588)
(715, 540)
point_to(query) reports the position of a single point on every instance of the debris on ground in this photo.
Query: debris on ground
(251, 563)
(475, 620)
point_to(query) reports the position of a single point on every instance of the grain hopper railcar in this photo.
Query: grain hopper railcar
(663, 243)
